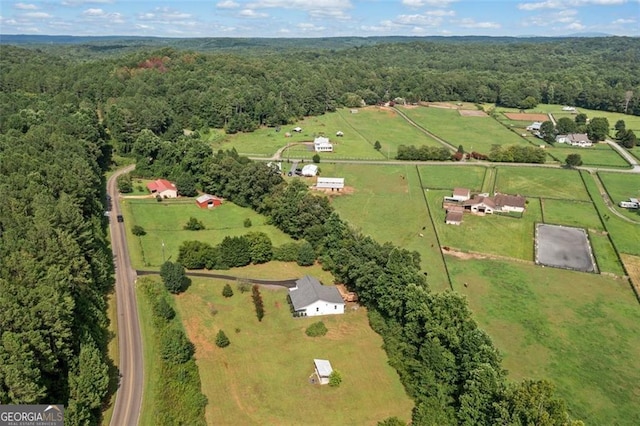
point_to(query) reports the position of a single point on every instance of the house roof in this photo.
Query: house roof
(160, 185)
(321, 140)
(308, 290)
(454, 216)
(206, 197)
(461, 192)
(509, 200)
(330, 182)
(574, 137)
(455, 209)
(479, 199)
(323, 366)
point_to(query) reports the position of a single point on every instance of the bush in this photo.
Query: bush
(316, 158)
(247, 223)
(174, 277)
(222, 341)
(234, 251)
(125, 185)
(138, 231)
(227, 291)
(194, 225)
(176, 348)
(162, 309)
(316, 329)
(335, 378)
(306, 255)
(286, 253)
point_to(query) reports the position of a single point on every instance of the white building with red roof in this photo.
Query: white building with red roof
(163, 188)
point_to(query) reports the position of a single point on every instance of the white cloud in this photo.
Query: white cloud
(81, 2)
(228, 4)
(25, 6)
(565, 4)
(470, 23)
(418, 20)
(308, 27)
(433, 3)
(250, 13)
(164, 14)
(623, 21)
(576, 26)
(93, 12)
(36, 15)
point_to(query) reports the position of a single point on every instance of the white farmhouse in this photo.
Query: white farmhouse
(309, 170)
(310, 298)
(322, 144)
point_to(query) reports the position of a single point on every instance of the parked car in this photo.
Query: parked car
(120, 218)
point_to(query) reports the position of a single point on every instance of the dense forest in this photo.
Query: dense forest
(61, 115)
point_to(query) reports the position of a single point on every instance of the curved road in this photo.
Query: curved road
(126, 411)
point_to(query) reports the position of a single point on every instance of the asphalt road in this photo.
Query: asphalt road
(126, 411)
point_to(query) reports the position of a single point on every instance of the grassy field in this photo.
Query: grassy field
(262, 377)
(621, 187)
(473, 133)
(601, 155)
(571, 213)
(164, 223)
(449, 177)
(388, 205)
(582, 331)
(604, 253)
(541, 182)
(361, 131)
(625, 235)
(492, 234)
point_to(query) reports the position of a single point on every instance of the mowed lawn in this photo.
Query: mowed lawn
(599, 155)
(262, 378)
(541, 182)
(164, 222)
(473, 133)
(571, 213)
(579, 330)
(453, 176)
(491, 234)
(387, 204)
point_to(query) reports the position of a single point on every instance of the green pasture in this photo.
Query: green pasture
(361, 131)
(492, 234)
(621, 187)
(473, 133)
(571, 213)
(387, 204)
(600, 155)
(579, 330)
(543, 182)
(453, 176)
(164, 221)
(604, 253)
(262, 377)
(625, 235)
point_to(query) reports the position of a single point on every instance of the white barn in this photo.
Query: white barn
(310, 298)
(330, 183)
(309, 170)
(322, 144)
(322, 369)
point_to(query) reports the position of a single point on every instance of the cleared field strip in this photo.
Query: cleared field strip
(621, 187)
(602, 155)
(473, 133)
(448, 177)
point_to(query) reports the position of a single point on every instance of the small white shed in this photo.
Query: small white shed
(330, 183)
(323, 370)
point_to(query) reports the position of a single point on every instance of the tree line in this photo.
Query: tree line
(164, 91)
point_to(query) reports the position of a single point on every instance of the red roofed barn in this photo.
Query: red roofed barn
(163, 188)
(206, 201)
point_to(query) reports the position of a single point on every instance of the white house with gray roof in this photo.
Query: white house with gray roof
(310, 298)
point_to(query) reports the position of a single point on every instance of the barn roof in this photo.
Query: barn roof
(509, 200)
(461, 192)
(309, 290)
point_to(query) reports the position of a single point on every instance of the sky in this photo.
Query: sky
(320, 18)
